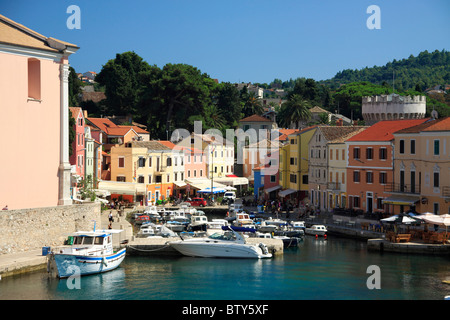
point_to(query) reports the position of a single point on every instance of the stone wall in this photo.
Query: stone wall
(31, 229)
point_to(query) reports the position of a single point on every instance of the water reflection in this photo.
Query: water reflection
(317, 269)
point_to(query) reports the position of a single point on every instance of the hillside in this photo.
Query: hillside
(419, 73)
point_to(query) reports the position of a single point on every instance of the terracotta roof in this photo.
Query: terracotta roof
(93, 96)
(14, 33)
(151, 145)
(383, 130)
(168, 144)
(75, 111)
(255, 118)
(340, 134)
(442, 124)
(420, 127)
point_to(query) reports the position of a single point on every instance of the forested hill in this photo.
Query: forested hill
(421, 72)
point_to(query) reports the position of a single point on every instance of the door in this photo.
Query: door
(369, 202)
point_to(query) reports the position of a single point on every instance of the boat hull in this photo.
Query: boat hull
(72, 264)
(217, 250)
(314, 232)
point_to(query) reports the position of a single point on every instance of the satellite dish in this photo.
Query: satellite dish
(434, 114)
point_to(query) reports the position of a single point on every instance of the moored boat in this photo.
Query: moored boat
(228, 244)
(90, 252)
(317, 229)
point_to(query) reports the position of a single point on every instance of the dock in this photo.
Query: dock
(383, 245)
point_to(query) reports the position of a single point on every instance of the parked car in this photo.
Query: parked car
(197, 202)
(230, 195)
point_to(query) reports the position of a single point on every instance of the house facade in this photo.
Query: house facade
(422, 167)
(370, 167)
(34, 72)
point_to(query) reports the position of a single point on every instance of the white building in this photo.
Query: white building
(392, 107)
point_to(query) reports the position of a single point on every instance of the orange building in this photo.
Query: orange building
(370, 166)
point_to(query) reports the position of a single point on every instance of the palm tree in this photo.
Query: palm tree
(213, 118)
(297, 109)
(252, 105)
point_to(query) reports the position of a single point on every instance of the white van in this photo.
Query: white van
(230, 195)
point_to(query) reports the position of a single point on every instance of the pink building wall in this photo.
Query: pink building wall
(77, 158)
(29, 134)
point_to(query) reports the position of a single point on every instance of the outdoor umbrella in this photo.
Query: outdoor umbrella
(442, 220)
(400, 218)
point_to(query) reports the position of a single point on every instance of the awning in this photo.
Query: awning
(269, 190)
(215, 190)
(286, 192)
(202, 183)
(402, 200)
(180, 184)
(124, 188)
(232, 181)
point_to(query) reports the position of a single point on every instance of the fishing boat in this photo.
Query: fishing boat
(319, 230)
(227, 244)
(90, 252)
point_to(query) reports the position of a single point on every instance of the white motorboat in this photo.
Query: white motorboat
(150, 229)
(215, 225)
(227, 244)
(199, 222)
(242, 219)
(317, 229)
(176, 226)
(152, 212)
(91, 252)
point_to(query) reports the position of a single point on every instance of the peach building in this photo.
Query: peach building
(34, 126)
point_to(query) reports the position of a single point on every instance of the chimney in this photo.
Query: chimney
(339, 122)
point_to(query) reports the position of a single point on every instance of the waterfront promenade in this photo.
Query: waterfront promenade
(22, 262)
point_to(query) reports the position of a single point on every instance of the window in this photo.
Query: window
(413, 146)
(169, 162)
(121, 162)
(304, 179)
(149, 178)
(149, 161)
(380, 203)
(158, 179)
(343, 154)
(140, 179)
(331, 155)
(402, 146)
(436, 179)
(34, 79)
(383, 153)
(436, 147)
(292, 161)
(141, 162)
(369, 153)
(356, 153)
(356, 176)
(273, 178)
(383, 177)
(120, 178)
(369, 177)
(293, 178)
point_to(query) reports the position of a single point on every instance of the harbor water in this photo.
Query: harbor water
(318, 269)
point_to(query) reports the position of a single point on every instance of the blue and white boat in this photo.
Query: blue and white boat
(91, 252)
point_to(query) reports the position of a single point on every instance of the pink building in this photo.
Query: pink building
(34, 127)
(78, 145)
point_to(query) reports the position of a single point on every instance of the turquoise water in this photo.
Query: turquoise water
(333, 269)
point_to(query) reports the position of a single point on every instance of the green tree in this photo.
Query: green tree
(172, 95)
(295, 110)
(120, 77)
(228, 103)
(252, 105)
(74, 88)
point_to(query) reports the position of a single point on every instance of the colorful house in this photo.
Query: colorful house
(77, 159)
(293, 176)
(370, 166)
(422, 168)
(34, 93)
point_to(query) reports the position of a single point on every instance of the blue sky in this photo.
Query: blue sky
(246, 40)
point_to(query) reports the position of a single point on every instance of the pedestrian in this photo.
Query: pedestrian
(110, 217)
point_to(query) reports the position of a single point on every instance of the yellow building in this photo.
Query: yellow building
(293, 175)
(422, 168)
(145, 170)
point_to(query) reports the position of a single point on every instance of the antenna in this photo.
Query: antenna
(393, 85)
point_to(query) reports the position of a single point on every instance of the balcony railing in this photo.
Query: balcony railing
(402, 188)
(446, 192)
(334, 186)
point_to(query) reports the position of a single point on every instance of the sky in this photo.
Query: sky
(242, 41)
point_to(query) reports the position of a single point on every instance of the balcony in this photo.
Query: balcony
(334, 186)
(446, 192)
(402, 188)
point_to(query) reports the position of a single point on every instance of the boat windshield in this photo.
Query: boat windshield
(229, 236)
